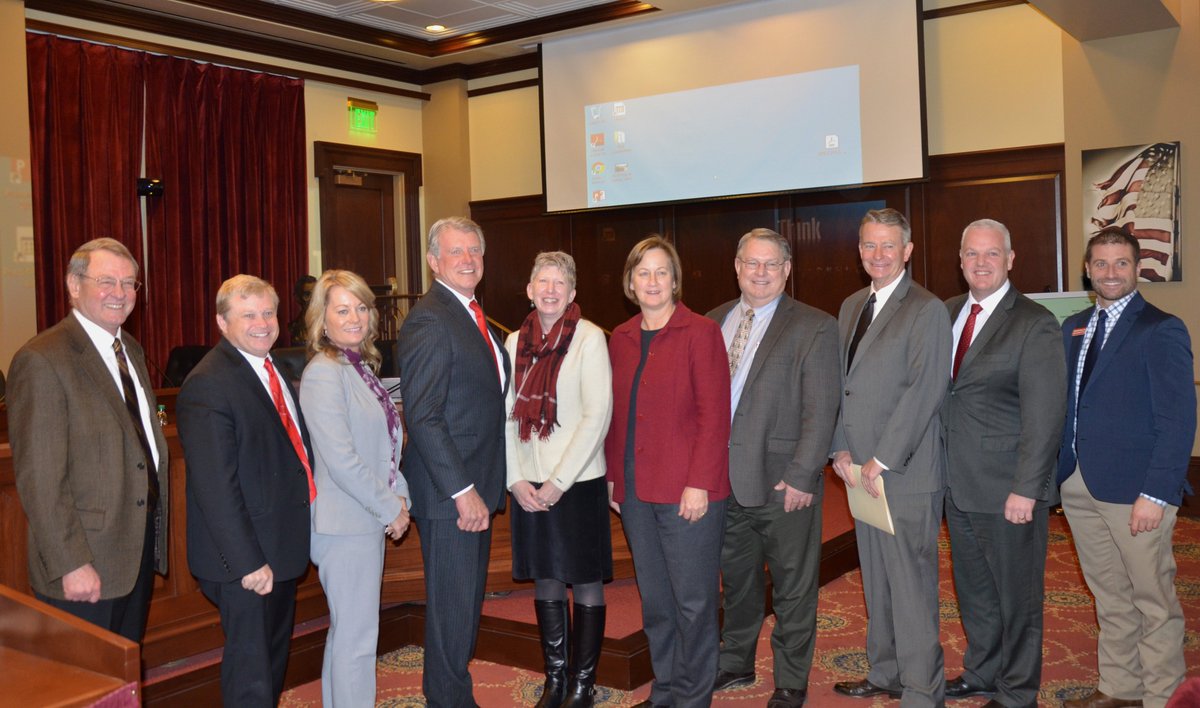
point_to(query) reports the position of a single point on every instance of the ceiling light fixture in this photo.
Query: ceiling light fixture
(435, 28)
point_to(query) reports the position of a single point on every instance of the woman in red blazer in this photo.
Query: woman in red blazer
(667, 454)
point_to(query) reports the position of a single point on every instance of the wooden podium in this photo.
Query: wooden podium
(51, 658)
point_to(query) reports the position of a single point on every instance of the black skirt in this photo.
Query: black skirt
(571, 542)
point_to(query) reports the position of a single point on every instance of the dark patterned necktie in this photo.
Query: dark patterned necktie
(864, 323)
(1093, 352)
(135, 414)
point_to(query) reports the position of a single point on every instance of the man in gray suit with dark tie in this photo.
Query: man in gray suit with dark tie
(783, 363)
(1003, 420)
(896, 339)
(453, 371)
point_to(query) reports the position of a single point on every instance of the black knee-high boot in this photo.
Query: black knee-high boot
(553, 618)
(585, 655)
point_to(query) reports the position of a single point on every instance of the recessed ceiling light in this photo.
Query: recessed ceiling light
(435, 28)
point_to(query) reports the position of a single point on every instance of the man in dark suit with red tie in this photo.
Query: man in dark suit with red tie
(1002, 420)
(249, 486)
(89, 458)
(453, 372)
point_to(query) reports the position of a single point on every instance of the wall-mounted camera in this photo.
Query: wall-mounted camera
(149, 187)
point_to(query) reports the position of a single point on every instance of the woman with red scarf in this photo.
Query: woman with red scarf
(560, 404)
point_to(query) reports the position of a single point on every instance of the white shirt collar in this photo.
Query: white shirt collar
(100, 337)
(991, 302)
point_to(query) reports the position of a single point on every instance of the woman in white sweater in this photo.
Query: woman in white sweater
(560, 404)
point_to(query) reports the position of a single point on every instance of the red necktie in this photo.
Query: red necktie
(964, 339)
(481, 322)
(292, 433)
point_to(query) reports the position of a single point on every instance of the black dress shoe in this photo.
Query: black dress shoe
(862, 689)
(959, 688)
(787, 698)
(729, 679)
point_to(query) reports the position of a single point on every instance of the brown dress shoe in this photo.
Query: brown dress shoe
(1100, 700)
(862, 689)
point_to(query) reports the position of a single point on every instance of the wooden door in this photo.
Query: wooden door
(370, 214)
(358, 225)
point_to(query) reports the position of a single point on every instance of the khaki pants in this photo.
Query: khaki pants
(1140, 650)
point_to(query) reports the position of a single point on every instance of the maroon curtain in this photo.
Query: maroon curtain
(229, 147)
(85, 113)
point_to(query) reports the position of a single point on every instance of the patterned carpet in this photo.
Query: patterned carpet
(1069, 651)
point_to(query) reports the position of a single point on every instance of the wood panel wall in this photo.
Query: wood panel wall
(1022, 188)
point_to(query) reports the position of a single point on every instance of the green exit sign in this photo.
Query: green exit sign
(362, 115)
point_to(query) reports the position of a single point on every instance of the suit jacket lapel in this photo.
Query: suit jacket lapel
(249, 380)
(994, 322)
(466, 323)
(91, 363)
(783, 311)
(1119, 331)
(881, 318)
(143, 374)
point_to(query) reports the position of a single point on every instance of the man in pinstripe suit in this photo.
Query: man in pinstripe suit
(454, 370)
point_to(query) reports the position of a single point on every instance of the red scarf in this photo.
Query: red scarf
(539, 357)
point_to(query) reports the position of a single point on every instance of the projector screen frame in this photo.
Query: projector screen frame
(923, 127)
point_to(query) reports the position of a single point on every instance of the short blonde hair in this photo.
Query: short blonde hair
(555, 259)
(314, 317)
(243, 285)
(639, 252)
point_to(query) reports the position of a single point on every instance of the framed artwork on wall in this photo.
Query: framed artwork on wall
(1135, 189)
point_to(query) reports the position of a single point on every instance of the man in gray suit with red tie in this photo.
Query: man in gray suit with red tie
(896, 339)
(783, 360)
(453, 372)
(1002, 420)
(89, 458)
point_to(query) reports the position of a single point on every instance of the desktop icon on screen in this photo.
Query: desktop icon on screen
(596, 139)
(619, 137)
(619, 108)
(597, 168)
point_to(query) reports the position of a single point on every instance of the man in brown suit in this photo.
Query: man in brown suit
(89, 457)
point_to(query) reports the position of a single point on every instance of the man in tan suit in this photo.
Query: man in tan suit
(89, 457)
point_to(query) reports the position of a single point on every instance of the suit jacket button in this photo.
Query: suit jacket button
(141, 465)
(141, 502)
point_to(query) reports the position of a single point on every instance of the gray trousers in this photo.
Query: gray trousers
(900, 582)
(351, 572)
(455, 563)
(677, 565)
(999, 578)
(790, 546)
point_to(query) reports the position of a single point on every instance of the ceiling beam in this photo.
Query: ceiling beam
(1097, 19)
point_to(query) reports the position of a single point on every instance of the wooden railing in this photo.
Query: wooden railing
(183, 623)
